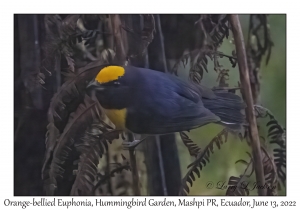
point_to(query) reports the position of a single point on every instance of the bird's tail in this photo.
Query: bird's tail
(229, 107)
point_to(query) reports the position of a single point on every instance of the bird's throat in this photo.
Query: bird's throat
(117, 117)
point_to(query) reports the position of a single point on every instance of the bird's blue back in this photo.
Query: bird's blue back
(162, 103)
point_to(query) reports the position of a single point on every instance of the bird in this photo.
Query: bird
(150, 102)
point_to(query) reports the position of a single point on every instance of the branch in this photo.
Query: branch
(157, 139)
(161, 43)
(119, 39)
(247, 95)
(135, 174)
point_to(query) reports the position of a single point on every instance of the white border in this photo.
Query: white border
(29, 6)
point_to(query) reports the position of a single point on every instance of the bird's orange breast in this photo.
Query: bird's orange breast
(117, 117)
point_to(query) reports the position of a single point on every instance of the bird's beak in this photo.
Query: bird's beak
(94, 85)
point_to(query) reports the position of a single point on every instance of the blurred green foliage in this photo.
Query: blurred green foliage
(273, 96)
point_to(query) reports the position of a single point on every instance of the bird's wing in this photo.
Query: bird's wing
(165, 106)
(204, 91)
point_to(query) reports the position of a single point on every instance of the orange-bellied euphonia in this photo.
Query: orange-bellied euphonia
(146, 101)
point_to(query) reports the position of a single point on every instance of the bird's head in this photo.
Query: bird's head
(109, 86)
(107, 77)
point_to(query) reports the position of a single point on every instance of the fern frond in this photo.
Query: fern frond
(201, 161)
(117, 168)
(194, 150)
(269, 172)
(139, 37)
(259, 44)
(63, 103)
(91, 147)
(238, 186)
(63, 154)
(215, 28)
(71, 93)
(277, 136)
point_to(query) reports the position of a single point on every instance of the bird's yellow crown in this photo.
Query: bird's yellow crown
(110, 73)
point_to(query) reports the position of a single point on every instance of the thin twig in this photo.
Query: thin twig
(247, 95)
(109, 186)
(161, 39)
(157, 139)
(119, 38)
(120, 41)
(135, 175)
(161, 166)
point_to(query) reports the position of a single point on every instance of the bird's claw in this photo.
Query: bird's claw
(130, 144)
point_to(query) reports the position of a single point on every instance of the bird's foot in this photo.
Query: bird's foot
(130, 144)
